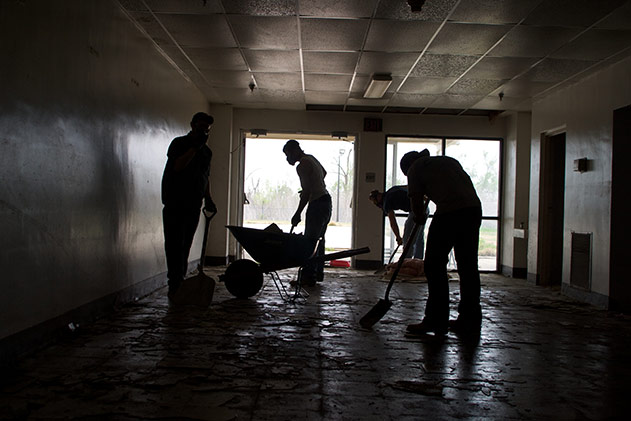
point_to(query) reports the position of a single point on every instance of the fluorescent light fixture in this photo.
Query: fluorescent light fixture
(378, 86)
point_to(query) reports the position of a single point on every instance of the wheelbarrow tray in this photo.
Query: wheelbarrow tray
(278, 250)
(274, 250)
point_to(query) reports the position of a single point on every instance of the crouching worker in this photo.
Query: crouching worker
(316, 198)
(396, 198)
(456, 224)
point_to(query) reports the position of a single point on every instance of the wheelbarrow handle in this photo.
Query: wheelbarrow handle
(341, 254)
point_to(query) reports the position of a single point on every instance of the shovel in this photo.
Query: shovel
(383, 268)
(198, 290)
(381, 308)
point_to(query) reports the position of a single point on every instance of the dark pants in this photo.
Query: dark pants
(316, 221)
(459, 230)
(180, 225)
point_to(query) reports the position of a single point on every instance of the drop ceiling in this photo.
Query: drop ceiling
(457, 57)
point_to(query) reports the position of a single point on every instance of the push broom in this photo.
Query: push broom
(381, 308)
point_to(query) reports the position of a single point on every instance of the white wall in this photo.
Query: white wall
(585, 110)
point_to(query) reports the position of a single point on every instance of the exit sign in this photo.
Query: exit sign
(373, 124)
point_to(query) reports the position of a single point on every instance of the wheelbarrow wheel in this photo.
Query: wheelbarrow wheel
(243, 278)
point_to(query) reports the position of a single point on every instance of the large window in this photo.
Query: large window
(481, 159)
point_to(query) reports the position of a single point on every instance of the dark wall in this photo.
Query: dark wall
(88, 107)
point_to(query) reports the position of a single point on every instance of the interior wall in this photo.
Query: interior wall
(370, 148)
(585, 112)
(516, 174)
(87, 111)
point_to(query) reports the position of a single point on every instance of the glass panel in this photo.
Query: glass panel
(480, 159)
(403, 145)
(487, 249)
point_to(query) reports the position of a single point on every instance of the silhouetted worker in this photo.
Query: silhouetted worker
(184, 184)
(456, 224)
(315, 196)
(396, 198)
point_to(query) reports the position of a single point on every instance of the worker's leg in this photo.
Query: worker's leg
(316, 221)
(466, 253)
(439, 244)
(408, 227)
(179, 229)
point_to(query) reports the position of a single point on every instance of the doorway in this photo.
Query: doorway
(551, 209)
(619, 264)
(271, 186)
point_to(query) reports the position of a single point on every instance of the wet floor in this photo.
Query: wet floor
(540, 356)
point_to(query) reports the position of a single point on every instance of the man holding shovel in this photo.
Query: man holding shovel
(316, 198)
(456, 224)
(184, 185)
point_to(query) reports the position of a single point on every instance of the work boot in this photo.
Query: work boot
(466, 326)
(426, 327)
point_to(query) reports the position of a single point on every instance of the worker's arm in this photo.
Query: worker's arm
(419, 208)
(394, 226)
(304, 171)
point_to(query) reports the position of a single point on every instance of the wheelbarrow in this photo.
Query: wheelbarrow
(273, 250)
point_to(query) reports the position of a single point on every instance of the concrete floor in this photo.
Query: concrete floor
(540, 356)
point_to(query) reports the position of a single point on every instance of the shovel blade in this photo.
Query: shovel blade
(196, 291)
(375, 314)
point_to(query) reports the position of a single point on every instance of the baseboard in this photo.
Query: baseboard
(533, 277)
(368, 264)
(589, 297)
(34, 338)
(519, 273)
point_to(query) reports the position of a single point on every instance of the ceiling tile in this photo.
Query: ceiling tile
(456, 101)
(467, 38)
(500, 67)
(619, 19)
(474, 86)
(555, 70)
(319, 97)
(522, 88)
(398, 64)
(329, 62)
(278, 95)
(397, 36)
(184, 7)
(227, 78)
(412, 100)
(265, 32)
(493, 102)
(273, 60)
(336, 83)
(435, 11)
(442, 65)
(338, 9)
(427, 85)
(493, 11)
(576, 13)
(217, 58)
(281, 81)
(595, 44)
(199, 30)
(332, 34)
(261, 7)
(532, 41)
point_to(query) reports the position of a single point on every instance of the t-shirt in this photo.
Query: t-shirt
(188, 187)
(311, 174)
(443, 180)
(396, 198)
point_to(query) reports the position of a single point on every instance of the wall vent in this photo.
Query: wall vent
(581, 260)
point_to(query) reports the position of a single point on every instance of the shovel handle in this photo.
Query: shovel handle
(407, 247)
(205, 239)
